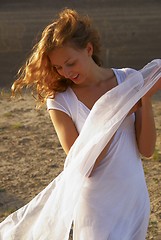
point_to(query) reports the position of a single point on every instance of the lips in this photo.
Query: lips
(74, 77)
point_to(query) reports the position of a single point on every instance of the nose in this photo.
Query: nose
(65, 72)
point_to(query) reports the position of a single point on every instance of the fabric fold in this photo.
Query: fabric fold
(50, 214)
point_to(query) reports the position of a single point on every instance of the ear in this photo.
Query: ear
(89, 49)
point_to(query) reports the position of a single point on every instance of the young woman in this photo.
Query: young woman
(113, 201)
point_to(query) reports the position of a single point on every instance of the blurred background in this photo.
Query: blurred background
(130, 29)
(31, 155)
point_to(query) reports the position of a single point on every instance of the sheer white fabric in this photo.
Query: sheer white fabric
(50, 214)
(68, 102)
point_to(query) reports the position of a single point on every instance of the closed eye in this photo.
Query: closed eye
(71, 64)
(59, 68)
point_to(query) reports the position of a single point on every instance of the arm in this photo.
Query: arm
(145, 124)
(65, 129)
(67, 133)
(145, 128)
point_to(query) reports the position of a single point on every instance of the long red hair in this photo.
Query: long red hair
(69, 27)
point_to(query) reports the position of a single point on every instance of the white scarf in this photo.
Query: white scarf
(50, 214)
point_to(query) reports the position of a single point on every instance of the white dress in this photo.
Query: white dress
(114, 203)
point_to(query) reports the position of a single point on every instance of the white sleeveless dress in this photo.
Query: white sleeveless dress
(114, 203)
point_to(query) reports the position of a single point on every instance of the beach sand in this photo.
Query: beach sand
(31, 157)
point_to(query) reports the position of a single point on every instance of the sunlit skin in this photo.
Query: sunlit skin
(71, 63)
(78, 65)
(90, 82)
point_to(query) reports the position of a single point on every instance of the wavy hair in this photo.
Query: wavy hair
(38, 73)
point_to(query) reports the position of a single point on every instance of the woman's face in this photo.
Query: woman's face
(72, 63)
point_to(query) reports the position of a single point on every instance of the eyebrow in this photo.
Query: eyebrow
(67, 60)
(55, 65)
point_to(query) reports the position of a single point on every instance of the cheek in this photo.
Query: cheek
(83, 66)
(60, 72)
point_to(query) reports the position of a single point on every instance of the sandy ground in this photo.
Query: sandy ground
(31, 157)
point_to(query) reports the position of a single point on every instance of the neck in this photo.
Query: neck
(96, 77)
